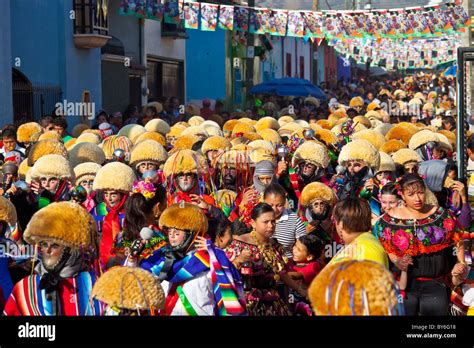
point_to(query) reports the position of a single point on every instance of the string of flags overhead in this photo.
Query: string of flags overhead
(408, 23)
(400, 54)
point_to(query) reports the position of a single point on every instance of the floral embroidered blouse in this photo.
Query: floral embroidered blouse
(417, 236)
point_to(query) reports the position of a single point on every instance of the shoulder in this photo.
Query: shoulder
(244, 238)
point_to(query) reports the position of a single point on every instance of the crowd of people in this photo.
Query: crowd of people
(295, 206)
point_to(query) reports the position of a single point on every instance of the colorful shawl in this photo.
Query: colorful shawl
(227, 286)
(27, 299)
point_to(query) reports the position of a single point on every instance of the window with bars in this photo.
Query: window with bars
(91, 17)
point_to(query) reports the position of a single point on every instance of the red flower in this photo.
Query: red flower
(449, 224)
(401, 240)
(387, 233)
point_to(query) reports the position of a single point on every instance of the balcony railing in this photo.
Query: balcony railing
(91, 25)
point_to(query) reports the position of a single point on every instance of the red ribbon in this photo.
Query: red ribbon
(110, 230)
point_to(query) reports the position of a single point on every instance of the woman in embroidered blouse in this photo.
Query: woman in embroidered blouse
(419, 239)
(267, 265)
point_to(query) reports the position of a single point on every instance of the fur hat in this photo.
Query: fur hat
(386, 163)
(175, 131)
(234, 158)
(86, 171)
(252, 136)
(70, 144)
(26, 131)
(325, 136)
(363, 120)
(158, 106)
(270, 135)
(129, 288)
(248, 121)
(420, 96)
(215, 143)
(184, 142)
(184, 161)
(52, 166)
(267, 123)
(362, 150)
(402, 131)
(217, 119)
(383, 128)
(392, 146)
(432, 95)
(356, 102)
(355, 288)
(325, 124)
(157, 125)
(399, 92)
(196, 131)
(65, 223)
(78, 129)
(373, 106)
(317, 190)
(285, 119)
(239, 141)
(148, 151)
(115, 142)
(262, 154)
(88, 138)
(210, 123)
(428, 107)
(229, 126)
(450, 136)
(373, 115)
(158, 137)
(131, 131)
(302, 123)
(403, 156)
(312, 100)
(289, 128)
(97, 132)
(86, 152)
(212, 130)
(114, 176)
(50, 135)
(312, 152)
(7, 212)
(261, 144)
(196, 120)
(444, 142)
(23, 168)
(373, 137)
(242, 128)
(187, 217)
(421, 138)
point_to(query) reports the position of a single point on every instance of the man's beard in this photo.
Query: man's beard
(186, 187)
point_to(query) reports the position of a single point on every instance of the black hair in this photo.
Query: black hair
(239, 228)
(313, 243)
(152, 109)
(44, 121)
(137, 209)
(60, 121)
(411, 179)
(274, 189)
(217, 228)
(9, 133)
(261, 208)
(390, 189)
(449, 120)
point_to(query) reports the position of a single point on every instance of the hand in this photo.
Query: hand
(244, 256)
(459, 187)
(200, 243)
(197, 200)
(460, 270)
(369, 185)
(36, 187)
(282, 168)
(402, 263)
(12, 190)
(247, 195)
(303, 292)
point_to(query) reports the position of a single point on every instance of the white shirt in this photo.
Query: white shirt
(199, 294)
(17, 148)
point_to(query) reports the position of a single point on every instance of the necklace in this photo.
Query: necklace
(270, 258)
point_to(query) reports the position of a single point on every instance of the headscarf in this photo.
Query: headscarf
(263, 168)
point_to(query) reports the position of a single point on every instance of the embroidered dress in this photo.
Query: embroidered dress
(156, 242)
(263, 299)
(417, 237)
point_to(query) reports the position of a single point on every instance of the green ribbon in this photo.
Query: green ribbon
(43, 202)
(187, 305)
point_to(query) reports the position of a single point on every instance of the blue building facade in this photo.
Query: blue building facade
(38, 51)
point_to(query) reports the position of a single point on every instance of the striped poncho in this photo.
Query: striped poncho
(226, 284)
(27, 299)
